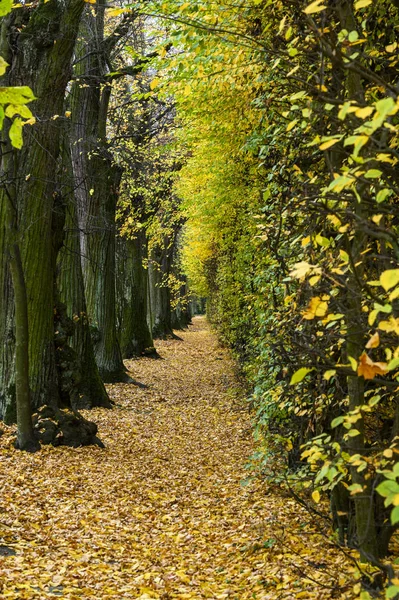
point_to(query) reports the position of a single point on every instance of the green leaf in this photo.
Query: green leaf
(395, 515)
(382, 194)
(3, 65)
(373, 174)
(392, 591)
(337, 421)
(5, 7)
(18, 109)
(299, 375)
(386, 106)
(387, 488)
(16, 95)
(353, 433)
(15, 133)
(393, 364)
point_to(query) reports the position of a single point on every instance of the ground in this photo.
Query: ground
(162, 511)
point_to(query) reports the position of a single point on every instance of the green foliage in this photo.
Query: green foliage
(291, 200)
(13, 100)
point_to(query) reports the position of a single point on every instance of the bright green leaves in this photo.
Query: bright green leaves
(16, 95)
(15, 133)
(15, 99)
(5, 7)
(299, 375)
(3, 66)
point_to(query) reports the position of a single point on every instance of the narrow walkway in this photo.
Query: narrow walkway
(161, 512)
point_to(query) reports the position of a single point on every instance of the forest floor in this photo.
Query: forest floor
(161, 512)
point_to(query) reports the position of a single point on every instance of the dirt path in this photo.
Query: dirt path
(160, 513)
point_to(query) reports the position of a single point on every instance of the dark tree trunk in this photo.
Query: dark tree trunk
(161, 309)
(38, 44)
(135, 335)
(97, 180)
(91, 388)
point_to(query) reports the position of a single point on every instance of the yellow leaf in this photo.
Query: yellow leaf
(299, 375)
(374, 341)
(353, 362)
(389, 278)
(313, 280)
(114, 12)
(392, 325)
(317, 308)
(316, 6)
(365, 112)
(183, 576)
(291, 125)
(329, 143)
(154, 83)
(316, 496)
(362, 4)
(328, 374)
(369, 369)
(391, 47)
(301, 269)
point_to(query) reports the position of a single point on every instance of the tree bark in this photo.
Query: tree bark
(97, 180)
(38, 43)
(71, 288)
(135, 335)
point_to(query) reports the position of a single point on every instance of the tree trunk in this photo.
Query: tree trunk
(39, 56)
(97, 180)
(160, 293)
(91, 388)
(25, 435)
(135, 335)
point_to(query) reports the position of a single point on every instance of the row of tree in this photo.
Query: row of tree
(290, 111)
(88, 226)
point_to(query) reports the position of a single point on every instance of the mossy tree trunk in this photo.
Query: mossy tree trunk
(97, 180)
(160, 263)
(71, 288)
(38, 42)
(135, 335)
(25, 434)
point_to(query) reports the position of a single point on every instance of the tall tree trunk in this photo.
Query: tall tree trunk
(91, 388)
(135, 335)
(97, 180)
(25, 435)
(38, 44)
(160, 262)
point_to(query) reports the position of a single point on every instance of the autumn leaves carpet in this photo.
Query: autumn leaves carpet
(160, 512)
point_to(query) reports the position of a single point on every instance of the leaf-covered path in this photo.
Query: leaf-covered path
(160, 512)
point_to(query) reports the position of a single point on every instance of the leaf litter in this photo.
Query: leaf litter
(161, 512)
